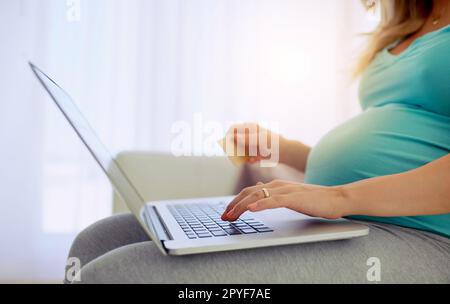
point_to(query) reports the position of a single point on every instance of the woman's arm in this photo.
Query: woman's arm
(294, 153)
(422, 191)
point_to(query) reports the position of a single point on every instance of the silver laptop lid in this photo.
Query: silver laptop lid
(115, 174)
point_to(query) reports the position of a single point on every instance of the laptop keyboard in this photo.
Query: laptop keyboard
(203, 221)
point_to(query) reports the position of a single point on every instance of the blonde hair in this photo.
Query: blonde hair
(399, 18)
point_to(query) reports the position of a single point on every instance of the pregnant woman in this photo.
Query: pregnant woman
(388, 167)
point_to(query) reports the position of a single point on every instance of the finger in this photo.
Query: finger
(243, 134)
(276, 201)
(242, 206)
(242, 126)
(255, 159)
(246, 144)
(246, 191)
(242, 129)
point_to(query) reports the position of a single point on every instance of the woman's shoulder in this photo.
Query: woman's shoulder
(446, 28)
(441, 35)
(433, 45)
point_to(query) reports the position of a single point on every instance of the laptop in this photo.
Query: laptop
(193, 226)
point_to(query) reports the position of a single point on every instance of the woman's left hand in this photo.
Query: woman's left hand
(312, 200)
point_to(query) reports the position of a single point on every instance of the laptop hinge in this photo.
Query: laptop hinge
(153, 218)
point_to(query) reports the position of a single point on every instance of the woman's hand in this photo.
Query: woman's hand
(247, 138)
(290, 152)
(317, 201)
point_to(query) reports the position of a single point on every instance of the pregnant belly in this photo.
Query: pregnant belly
(382, 140)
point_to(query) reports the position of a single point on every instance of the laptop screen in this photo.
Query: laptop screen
(101, 154)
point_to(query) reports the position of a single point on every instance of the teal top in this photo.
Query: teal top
(405, 124)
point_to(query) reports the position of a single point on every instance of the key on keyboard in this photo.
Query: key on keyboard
(203, 221)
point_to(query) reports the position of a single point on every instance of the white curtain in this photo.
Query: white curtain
(135, 67)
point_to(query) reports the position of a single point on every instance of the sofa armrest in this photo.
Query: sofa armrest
(159, 176)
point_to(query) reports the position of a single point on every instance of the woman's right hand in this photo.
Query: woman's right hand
(253, 143)
(290, 152)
